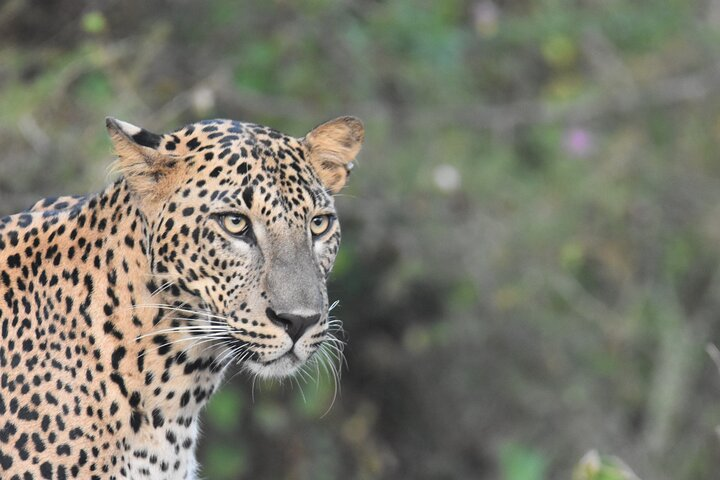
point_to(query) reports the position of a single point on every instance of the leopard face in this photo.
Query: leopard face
(242, 231)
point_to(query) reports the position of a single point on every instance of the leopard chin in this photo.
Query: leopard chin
(281, 367)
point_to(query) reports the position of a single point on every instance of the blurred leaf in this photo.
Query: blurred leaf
(572, 255)
(257, 68)
(225, 461)
(269, 416)
(565, 87)
(344, 260)
(679, 256)
(508, 297)
(594, 467)
(94, 22)
(225, 409)
(94, 89)
(417, 339)
(463, 295)
(518, 462)
(559, 51)
(316, 397)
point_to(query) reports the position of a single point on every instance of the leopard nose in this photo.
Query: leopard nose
(295, 325)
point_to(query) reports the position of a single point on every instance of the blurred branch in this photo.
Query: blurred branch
(624, 99)
(230, 96)
(606, 62)
(674, 368)
(34, 134)
(584, 304)
(714, 353)
(10, 10)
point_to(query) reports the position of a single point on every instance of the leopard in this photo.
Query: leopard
(122, 311)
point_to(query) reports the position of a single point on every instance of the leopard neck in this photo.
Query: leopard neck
(161, 378)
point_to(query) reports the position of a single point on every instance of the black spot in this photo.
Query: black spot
(24, 220)
(63, 449)
(13, 261)
(115, 377)
(147, 139)
(46, 470)
(135, 399)
(162, 340)
(117, 355)
(135, 420)
(157, 418)
(247, 196)
(243, 168)
(26, 414)
(6, 461)
(193, 143)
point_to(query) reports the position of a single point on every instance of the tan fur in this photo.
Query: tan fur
(333, 146)
(149, 172)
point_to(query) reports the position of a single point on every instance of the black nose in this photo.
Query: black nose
(294, 325)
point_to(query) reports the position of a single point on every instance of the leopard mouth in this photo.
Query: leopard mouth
(290, 356)
(282, 366)
(251, 355)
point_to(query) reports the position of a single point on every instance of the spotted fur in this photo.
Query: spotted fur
(120, 311)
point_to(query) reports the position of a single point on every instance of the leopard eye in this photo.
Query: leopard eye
(234, 224)
(320, 225)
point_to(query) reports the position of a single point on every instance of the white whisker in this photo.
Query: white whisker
(162, 306)
(209, 337)
(162, 288)
(185, 329)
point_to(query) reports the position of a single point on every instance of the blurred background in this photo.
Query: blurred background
(530, 258)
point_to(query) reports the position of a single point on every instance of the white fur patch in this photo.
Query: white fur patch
(128, 128)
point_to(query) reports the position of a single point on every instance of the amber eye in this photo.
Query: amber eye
(320, 224)
(235, 224)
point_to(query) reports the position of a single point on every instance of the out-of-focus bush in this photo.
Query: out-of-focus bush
(530, 257)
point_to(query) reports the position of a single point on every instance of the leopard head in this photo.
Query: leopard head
(241, 225)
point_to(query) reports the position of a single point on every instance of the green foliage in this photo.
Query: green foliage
(94, 89)
(94, 22)
(225, 461)
(225, 410)
(316, 397)
(520, 463)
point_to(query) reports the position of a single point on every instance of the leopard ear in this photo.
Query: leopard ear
(139, 161)
(333, 147)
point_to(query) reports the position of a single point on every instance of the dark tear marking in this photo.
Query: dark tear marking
(247, 196)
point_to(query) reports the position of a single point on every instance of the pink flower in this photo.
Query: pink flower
(578, 142)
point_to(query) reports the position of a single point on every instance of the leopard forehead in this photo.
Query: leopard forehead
(245, 166)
